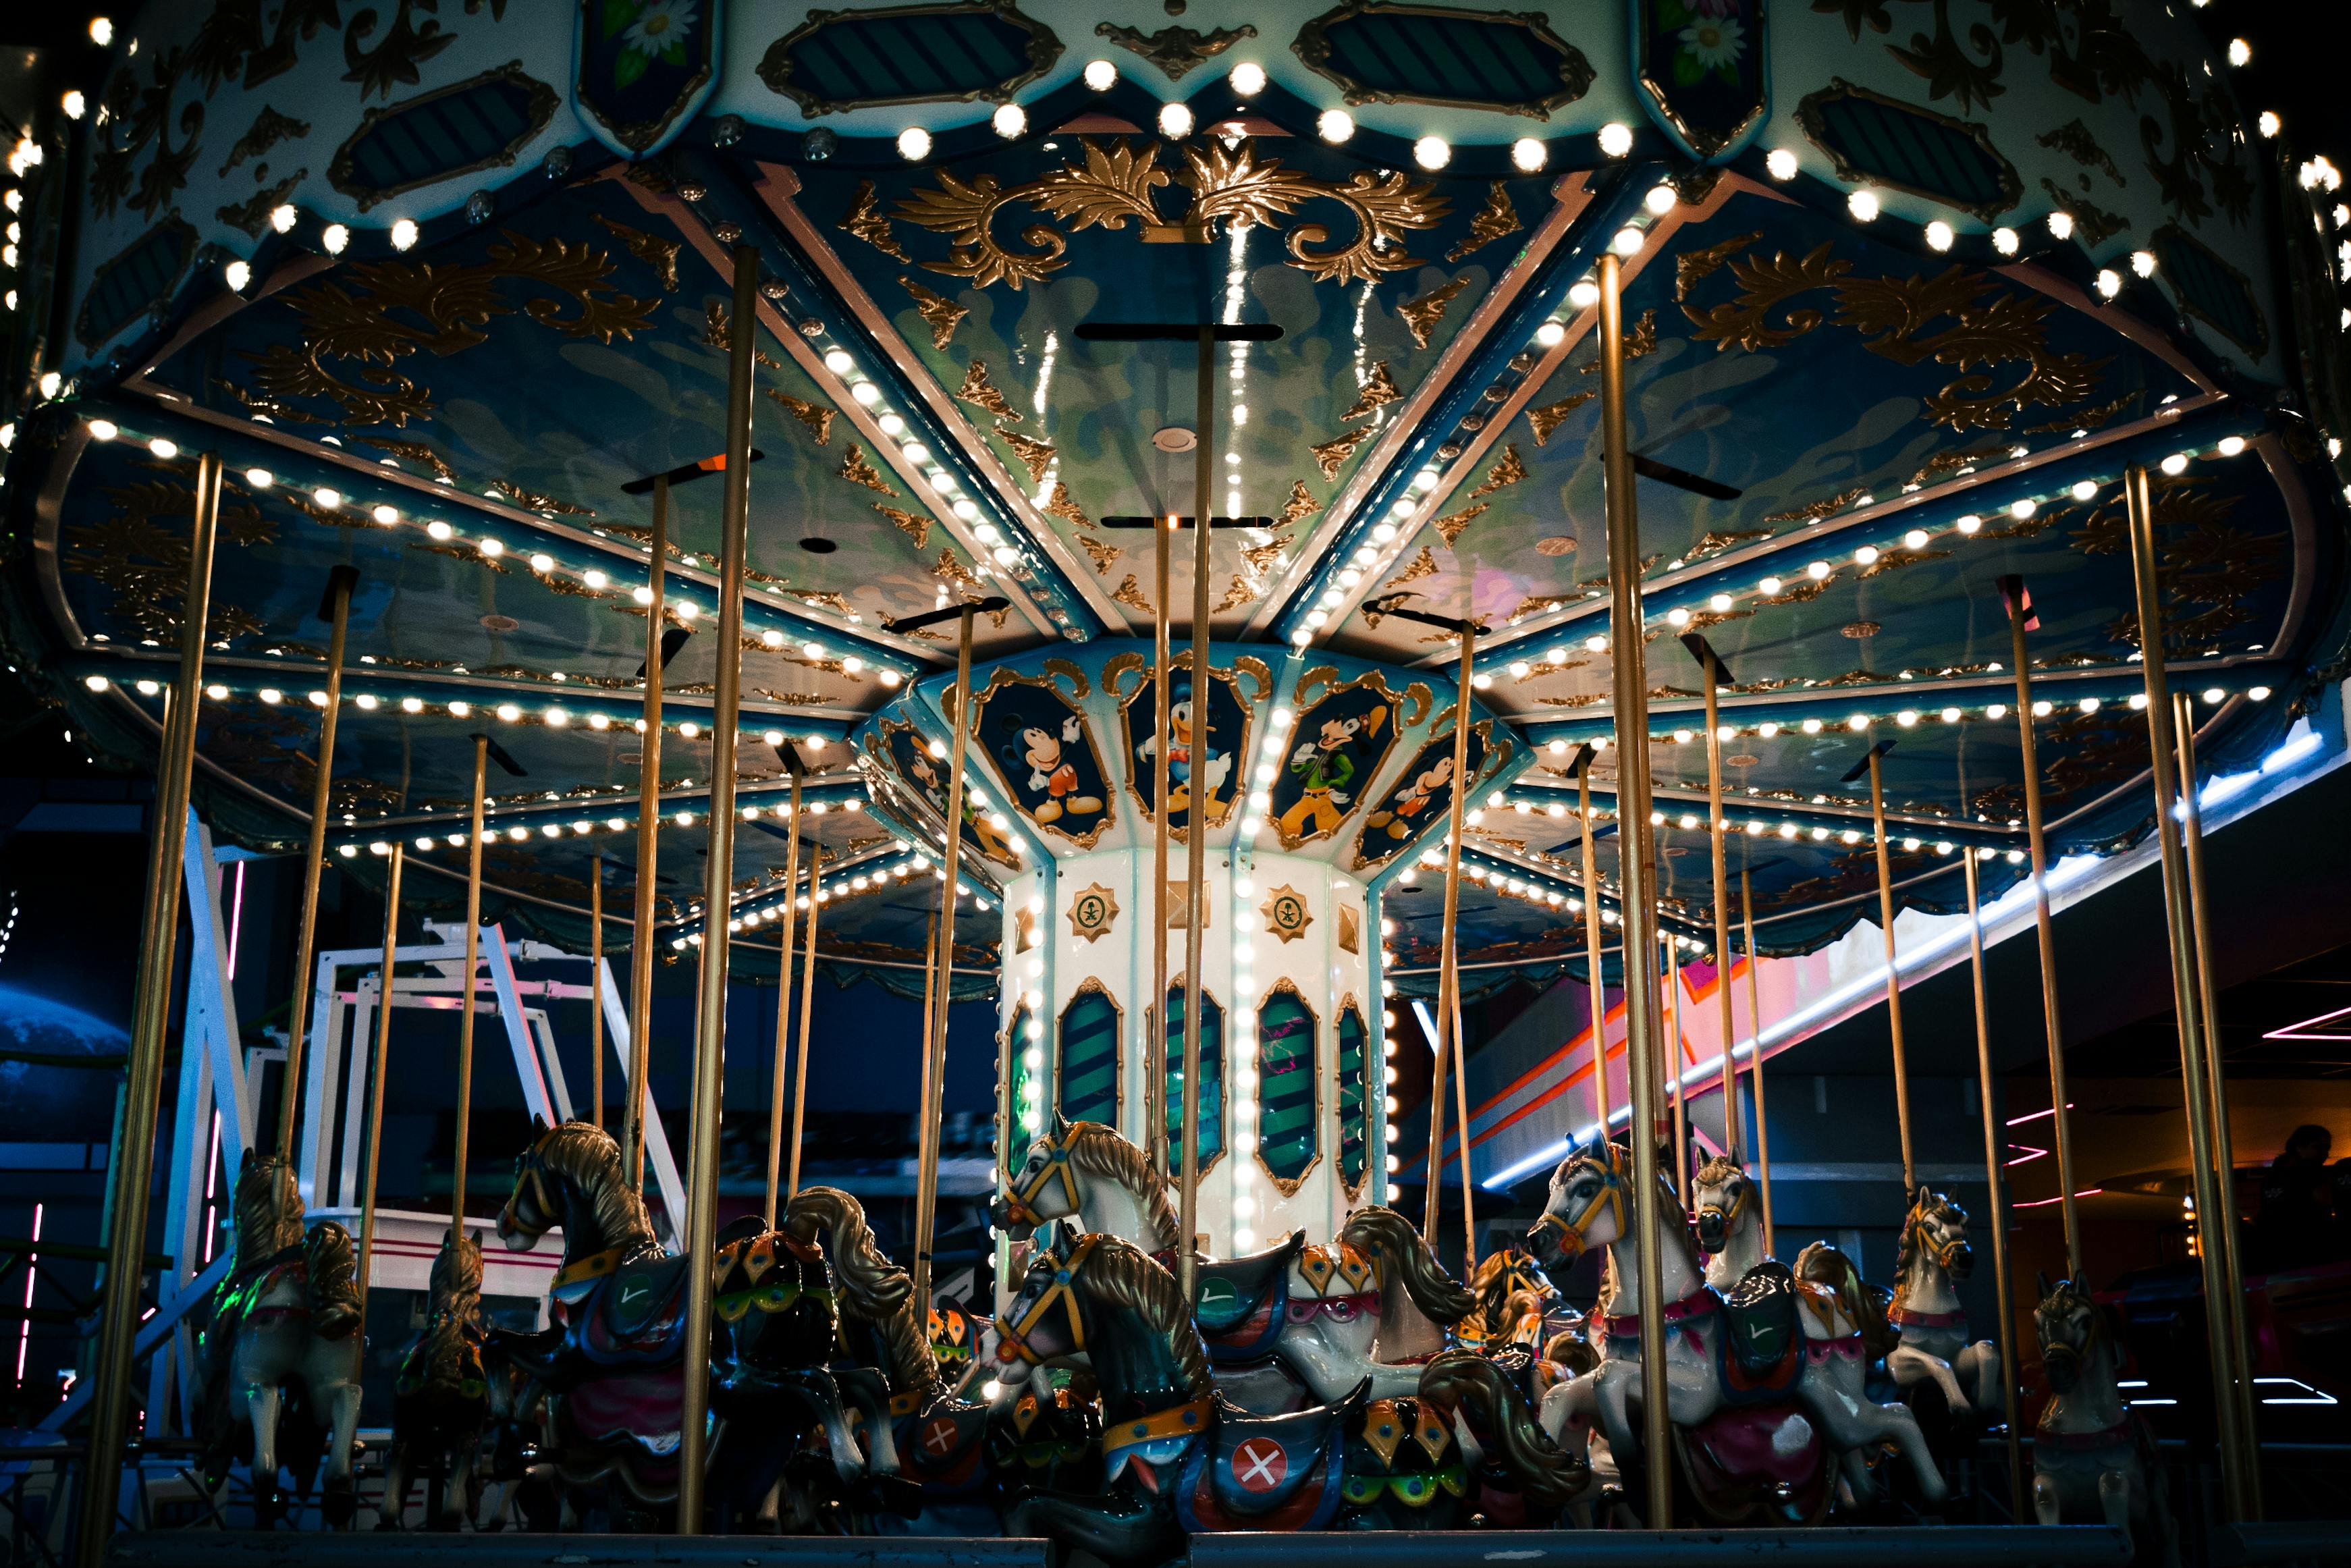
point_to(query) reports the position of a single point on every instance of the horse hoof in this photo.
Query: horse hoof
(339, 1504)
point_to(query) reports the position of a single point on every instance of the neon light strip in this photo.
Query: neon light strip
(235, 915)
(2293, 1031)
(32, 1269)
(2045, 1202)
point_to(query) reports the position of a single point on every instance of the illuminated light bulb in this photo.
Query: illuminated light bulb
(2176, 464)
(2005, 241)
(2259, 693)
(1628, 241)
(866, 393)
(1175, 120)
(1660, 199)
(101, 31)
(913, 144)
(95, 683)
(388, 515)
(438, 530)
(1770, 585)
(167, 450)
(335, 236)
(2061, 225)
(2089, 704)
(1595, 644)
(1859, 721)
(2109, 283)
(237, 274)
(492, 548)
(403, 234)
(1550, 334)
(2022, 509)
(1101, 74)
(509, 712)
(1968, 524)
(2231, 446)
(1334, 126)
(1907, 717)
(1996, 710)
(366, 701)
(1584, 294)
(2142, 262)
(1950, 715)
(1615, 140)
(1939, 235)
(1865, 556)
(1862, 204)
(461, 709)
(1818, 571)
(104, 429)
(411, 704)
(1248, 78)
(1781, 163)
(283, 217)
(1010, 121)
(2043, 708)
(1811, 726)
(2215, 695)
(1528, 155)
(2240, 53)
(1915, 540)
(2086, 490)
(1432, 153)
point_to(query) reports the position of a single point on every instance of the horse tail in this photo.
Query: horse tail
(1404, 1257)
(1497, 1414)
(331, 1263)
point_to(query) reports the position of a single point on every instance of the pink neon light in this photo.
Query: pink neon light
(2030, 1154)
(2293, 1031)
(2035, 1116)
(235, 914)
(2045, 1202)
(25, 1335)
(212, 1160)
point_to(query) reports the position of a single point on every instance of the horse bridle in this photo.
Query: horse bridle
(534, 1175)
(1729, 1216)
(1020, 1202)
(1611, 1193)
(1942, 1252)
(1062, 1292)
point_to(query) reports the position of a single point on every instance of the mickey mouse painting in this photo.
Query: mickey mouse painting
(1046, 755)
(1422, 795)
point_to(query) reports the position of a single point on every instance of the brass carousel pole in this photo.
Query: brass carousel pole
(465, 1002)
(595, 989)
(2218, 1230)
(783, 996)
(2020, 622)
(1893, 970)
(935, 1048)
(1155, 1044)
(1677, 1054)
(922, 1133)
(1447, 1017)
(1591, 943)
(1755, 1022)
(1636, 878)
(1196, 865)
(337, 611)
(126, 1237)
(1711, 668)
(1452, 965)
(382, 1061)
(641, 942)
(718, 885)
(2236, 1455)
(1998, 1217)
(808, 1001)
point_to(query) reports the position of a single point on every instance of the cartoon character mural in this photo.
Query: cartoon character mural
(1343, 735)
(1044, 750)
(1422, 796)
(1204, 737)
(909, 757)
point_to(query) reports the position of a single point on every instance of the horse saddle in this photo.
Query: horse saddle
(1763, 1338)
(638, 1314)
(939, 1446)
(1269, 1472)
(1238, 1301)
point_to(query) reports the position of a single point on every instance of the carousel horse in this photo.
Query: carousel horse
(1517, 1303)
(1729, 1231)
(440, 1401)
(612, 1364)
(1179, 1460)
(288, 1318)
(2093, 1462)
(1755, 1383)
(1373, 1304)
(1930, 1325)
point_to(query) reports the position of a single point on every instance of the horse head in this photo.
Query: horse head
(458, 1276)
(2075, 1334)
(1937, 1228)
(1586, 1208)
(1105, 1298)
(570, 1175)
(1047, 1321)
(1721, 1190)
(1050, 1183)
(268, 1207)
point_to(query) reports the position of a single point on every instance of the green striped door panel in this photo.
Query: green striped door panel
(1286, 1029)
(1212, 1074)
(1354, 1089)
(1088, 1078)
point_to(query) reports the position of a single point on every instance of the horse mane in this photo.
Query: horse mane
(448, 1350)
(458, 1276)
(1390, 1237)
(1822, 1264)
(586, 1155)
(1100, 1151)
(1905, 1252)
(1720, 1168)
(268, 1209)
(1122, 1274)
(873, 1288)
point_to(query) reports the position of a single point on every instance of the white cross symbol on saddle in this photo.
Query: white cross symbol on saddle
(1260, 1464)
(939, 1436)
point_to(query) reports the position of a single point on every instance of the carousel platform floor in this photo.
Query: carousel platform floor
(1953, 1546)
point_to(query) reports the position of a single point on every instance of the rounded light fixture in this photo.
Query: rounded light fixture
(1010, 121)
(1248, 78)
(1862, 204)
(1781, 163)
(1334, 126)
(1175, 120)
(1528, 155)
(1615, 138)
(1432, 153)
(1101, 74)
(1939, 235)
(913, 144)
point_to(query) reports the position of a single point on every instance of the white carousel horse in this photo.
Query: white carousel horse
(2093, 1461)
(1729, 1231)
(1926, 1315)
(1375, 1302)
(1590, 1205)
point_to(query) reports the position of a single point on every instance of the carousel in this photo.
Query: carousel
(1379, 498)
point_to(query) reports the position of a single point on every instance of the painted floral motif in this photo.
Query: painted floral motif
(1710, 35)
(654, 30)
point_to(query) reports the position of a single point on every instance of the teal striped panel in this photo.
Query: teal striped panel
(1353, 1089)
(1286, 1137)
(1212, 1074)
(1089, 1075)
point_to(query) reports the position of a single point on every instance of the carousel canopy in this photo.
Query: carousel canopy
(1901, 310)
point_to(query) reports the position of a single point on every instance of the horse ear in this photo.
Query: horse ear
(537, 1126)
(1060, 1124)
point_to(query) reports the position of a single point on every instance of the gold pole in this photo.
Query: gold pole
(923, 1131)
(1196, 865)
(1893, 974)
(1448, 1020)
(1155, 1045)
(1998, 1217)
(1636, 879)
(2044, 927)
(126, 1237)
(1755, 1022)
(808, 998)
(1721, 917)
(640, 943)
(2194, 1076)
(306, 927)
(595, 991)
(717, 895)
(382, 1061)
(783, 1003)
(1677, 1054)
(465, 1005)
(1592, 948)
(926, 1195)
(2218, 1231)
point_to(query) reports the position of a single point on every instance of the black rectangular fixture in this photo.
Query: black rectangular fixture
(499, 754)
(1708, 661)
(1176, 331)
(1185, 522)
(1861, 768)
(932, 617)
(672, 639)
(1683, 479)
(346, 578)
(684, 472)
(2018, 599)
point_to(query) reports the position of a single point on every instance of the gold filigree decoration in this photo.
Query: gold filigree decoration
(1896, 562)
(1639, 343)
(2086, 418)
(1111, 184)
(1507, 469)
(1261, 557)
(1058, 505)
(141, 553)
(1422, 565)
(1449, 528)
(531, 500)
(1953, 462)
(1496, 218)
(659, 253)
(1539, 604)
(857, 470)
(716, 324)
(866, 220)
(978, 391)
(942, 314)
(1715, 543)
(2205, 566)
(1421, 316)
(376, 314)
(464, 553)
(1692, 267)
(1129, 592)
(947, 569)
(1814, 511)
(815, 415)
(414, 450)
(1104, 555)
(1300, 506)
(1241, 592)
(1379, 391)
(1333, 455)
(1544, 419)
(1038, 454)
